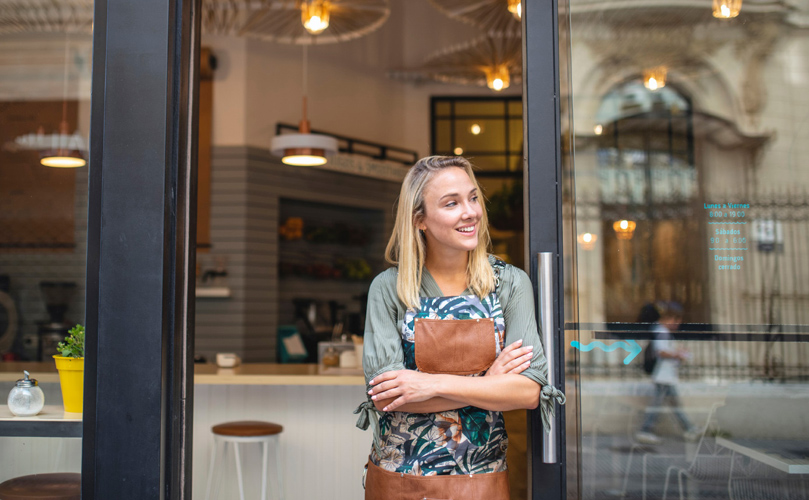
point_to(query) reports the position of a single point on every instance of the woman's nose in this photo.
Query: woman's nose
(468, 210)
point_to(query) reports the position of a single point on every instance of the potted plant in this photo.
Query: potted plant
(71, 369)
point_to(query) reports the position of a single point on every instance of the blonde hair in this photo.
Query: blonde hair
(407, 246)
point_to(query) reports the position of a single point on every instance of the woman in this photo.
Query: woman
(450, 342)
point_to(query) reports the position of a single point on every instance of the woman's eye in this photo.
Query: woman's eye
(475, 198)
(451, 204)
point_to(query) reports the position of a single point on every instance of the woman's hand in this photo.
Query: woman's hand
(403, 387)
(513, 359)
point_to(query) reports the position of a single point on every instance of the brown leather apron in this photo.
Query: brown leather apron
(457, 347)
(381, 484)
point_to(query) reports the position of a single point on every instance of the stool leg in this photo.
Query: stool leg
(278, 476)
(265, 456)
(239, 470)
(214, 447)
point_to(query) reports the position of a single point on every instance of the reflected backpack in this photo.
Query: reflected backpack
(649, 358)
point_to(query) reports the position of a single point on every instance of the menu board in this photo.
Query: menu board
(729, 235)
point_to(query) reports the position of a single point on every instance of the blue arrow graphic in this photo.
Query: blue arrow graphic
(630, 346)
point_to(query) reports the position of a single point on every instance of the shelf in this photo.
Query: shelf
(213, 292)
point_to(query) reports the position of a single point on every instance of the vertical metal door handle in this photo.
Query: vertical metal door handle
(545, 298)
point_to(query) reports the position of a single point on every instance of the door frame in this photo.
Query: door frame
(542, 141)
(138, 384)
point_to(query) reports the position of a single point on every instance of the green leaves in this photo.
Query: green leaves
(73, 346)
(475, 425)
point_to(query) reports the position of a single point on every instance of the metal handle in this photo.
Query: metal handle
(545, 300)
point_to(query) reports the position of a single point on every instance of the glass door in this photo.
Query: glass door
(685, 139)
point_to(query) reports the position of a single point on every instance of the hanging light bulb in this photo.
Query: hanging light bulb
(515, 7)
(587, 241)
(497, 77)
(726, 9)
(598, 129)
(655, 78)
(315, 16)
(476, 129)
(624, 229)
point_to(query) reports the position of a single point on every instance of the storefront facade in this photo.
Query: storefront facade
(664, 202)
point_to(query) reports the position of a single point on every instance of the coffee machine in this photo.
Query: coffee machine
(57, 295)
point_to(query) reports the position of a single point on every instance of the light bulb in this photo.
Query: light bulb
(315, 16)
(304, 160)
(598, 129)
(497, 77)
(63, 161)
(515, 7)
(475, 129)
(458, 151)
(655, 78)
(726, 9)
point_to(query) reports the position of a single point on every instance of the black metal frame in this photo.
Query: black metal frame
(138, 385)
(452, 116)
(543, 195)
(350, 145)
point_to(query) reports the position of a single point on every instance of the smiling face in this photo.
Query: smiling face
(452, 212)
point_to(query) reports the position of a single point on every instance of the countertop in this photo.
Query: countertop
(210, 374)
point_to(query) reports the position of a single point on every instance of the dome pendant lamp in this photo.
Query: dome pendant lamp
(303, 149)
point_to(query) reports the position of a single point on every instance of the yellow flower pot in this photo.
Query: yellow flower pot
(71, 378)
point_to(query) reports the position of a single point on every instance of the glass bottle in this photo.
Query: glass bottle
(26, 399)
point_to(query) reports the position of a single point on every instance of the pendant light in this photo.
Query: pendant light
(515, 7)
(655, 78)
(303, 149)
(60, 149)
(726, 9)
(497, 77)
(624, 229)
(315, 16)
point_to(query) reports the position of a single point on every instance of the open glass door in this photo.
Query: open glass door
(686, 271)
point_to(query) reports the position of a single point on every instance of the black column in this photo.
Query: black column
(542, 149)
(138, 388)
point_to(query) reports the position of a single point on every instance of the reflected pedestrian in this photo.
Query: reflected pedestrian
(665, 374)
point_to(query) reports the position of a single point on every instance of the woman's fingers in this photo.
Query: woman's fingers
(518, 361)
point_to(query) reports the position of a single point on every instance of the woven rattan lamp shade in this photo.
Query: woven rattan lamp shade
(467, 63)
(46, 16)
(280, 20)
(488, 15)
(271, 20)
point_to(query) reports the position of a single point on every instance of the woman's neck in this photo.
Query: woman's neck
(448, 271)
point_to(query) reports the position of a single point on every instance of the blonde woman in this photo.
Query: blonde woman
(450, 343)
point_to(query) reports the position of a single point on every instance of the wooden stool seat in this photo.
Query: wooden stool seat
(57, 486)
(247, 428)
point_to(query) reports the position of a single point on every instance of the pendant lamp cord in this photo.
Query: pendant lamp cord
(63, 125)
(305, 78)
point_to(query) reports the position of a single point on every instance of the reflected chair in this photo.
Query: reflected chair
(247, 432)
(56, 486)
(753, 480)
(711, 462)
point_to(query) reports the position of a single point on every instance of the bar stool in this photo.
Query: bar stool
(247, 432)
(56, 486)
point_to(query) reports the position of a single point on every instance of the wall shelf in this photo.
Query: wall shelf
(213, 292)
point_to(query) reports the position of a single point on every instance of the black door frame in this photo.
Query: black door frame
(141, 233)
(138, 386)
(543, 195)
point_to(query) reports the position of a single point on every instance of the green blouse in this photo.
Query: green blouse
(382, 349)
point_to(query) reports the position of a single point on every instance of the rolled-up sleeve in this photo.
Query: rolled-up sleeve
(382, 348)
(521, 324)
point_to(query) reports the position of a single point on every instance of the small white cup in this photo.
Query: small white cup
(227, 359)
